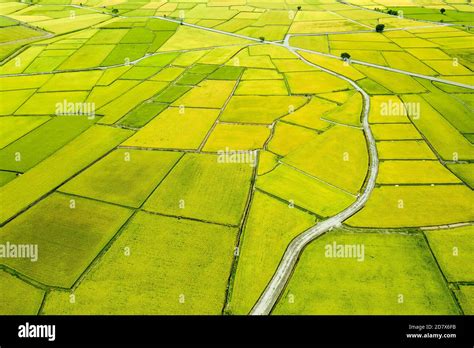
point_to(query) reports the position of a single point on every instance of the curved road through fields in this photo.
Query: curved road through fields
(277, 284)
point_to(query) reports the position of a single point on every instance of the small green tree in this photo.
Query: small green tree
(115, 11)
(345, 56)
(379, 28)
(262, 38)
(443, 11)
(299, 8)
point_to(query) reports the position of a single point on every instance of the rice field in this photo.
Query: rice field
(163, 157)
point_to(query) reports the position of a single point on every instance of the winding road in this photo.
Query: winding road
(277, 284)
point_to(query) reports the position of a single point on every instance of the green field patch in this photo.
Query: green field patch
(234, 24)
(45, 64)
(14, 127)
(314, 82)
(188, 38)
(174, 128)
(122, 105)
(25, 153)
(140, 73)
(67, 242)
(310, 114)
(64, 25)
(270, 227)
(315, 43)
(287, 137)
(324, 26)
(18, 297)
(292, 65)
(464, 171)
(374, 57)
(6, 177)
(141, 115)
(12, 100)
(124, 177)
(334, 65)
(168, 74)
(396, 131)
(255, 108)
(428, 53)
(330, 160)
(166, 263)
(102, 95)
(275, 52)
(363, 45)
(446, 67)
(204, 187)
(25, 57)
(48, 102)
(348, 113)
(454, 251)
(453, 110)
(410, 149)
(219, 55)
(405, 61)
(190, 79)
(88, 56)
(67, 161)
(405, 206)
(208, 94)
(190, 57)
(171, 93)
(237, 137)
(261, 87)
(414, 172)
(465, 296)
(451, 145)
(261, 74)
(394, 82)
(74, 81)
(331, 285)
(244, 59)
(388, 109)
(226, 73)
(107, 36)
(158, 60)
(269, 32)
(267, 161)
(304, 191)
(123, 53)
(137, 36)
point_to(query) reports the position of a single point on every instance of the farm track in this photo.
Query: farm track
(277, 284)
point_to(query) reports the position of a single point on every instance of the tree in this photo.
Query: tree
(299, 8)
(442, 11)
(345, 56)
(262, 38)
(115, 11)
(379, 28)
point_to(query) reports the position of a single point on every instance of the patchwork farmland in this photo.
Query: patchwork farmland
(235, 157)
